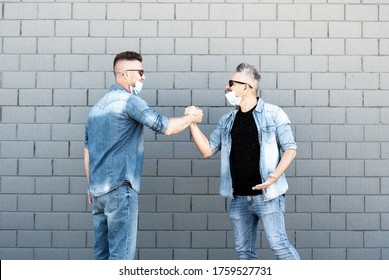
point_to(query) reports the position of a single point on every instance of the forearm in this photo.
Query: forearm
(86, 163)
(285, 162)
(177, 125)
(200, 140)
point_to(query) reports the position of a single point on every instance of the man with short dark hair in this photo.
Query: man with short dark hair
(252, 168)
(113, 156)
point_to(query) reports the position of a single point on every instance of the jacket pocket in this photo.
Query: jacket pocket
(268, 134)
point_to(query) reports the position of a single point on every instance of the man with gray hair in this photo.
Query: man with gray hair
(252, 167)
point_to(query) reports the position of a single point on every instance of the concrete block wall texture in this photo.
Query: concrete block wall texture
(324, 61)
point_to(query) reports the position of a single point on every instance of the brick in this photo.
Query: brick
(226, 12)
(315, 239)
(277, 63)
(18, 80)
(190, 221)
(7, 131)
(20, 11)
(36, 62)
(18, 115)
(362, 12)
(174, 29)
(294, 12)
(194, 12)
(51, 149)
(165, 45)
(174, 204)
(376, 238)
(87, 80)
(276, 29)
(52, 185)
(88, 45)
(376, 30)
(34, 238)
(8, 97)
(345, 64)
(209, 29)
(376, 98)
(17, 254)
(244, 29)
(35, 97)
(192, 185)
(363, 222)
(206, 204)
(179, 239)
(312, 133)
(72, 28)
(17, 184)
(376, 167)
(347, 167)
(208, 239)
(363, 254)
(329, 150)
(33, 132)
(328, 46)
(345, 30)
(312, 98)
(218, 46)
(363, 150)
(191, 46)
(53, 80)
(121, 11)
(140, 28)
(69, 97)
(55, 11)
(294, 46)
(345, 98)
(328, 185)
(158, 11)
(370, 116)
(9, 62)
(311, 29)
(347, 204)
(361, 46)
(37, 28)
(318, 203)
(346, 239)
(328, 221)
(174, 167)
(375, 64)
(347, 133)
(10, 28)
(259, 12)
(208, 167)
(54, 45)
(174, 63)
(80, 221)
(328, 12)
(51, 254)
(8, 203)
(158, 150)
(155, 221)
(68, 167)
(35, 167)
(89, 11)
(294, 81)
(69, 239)
(16, 220)
(19, 149)
(8, 238)
(106, 28)
(260, 46)
(191, 81)
(362, 81)
(51, 221)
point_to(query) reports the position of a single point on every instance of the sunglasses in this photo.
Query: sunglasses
(232, 82)
(140, 71)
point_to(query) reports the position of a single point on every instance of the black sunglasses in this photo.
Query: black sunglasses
(140, 71)
(231, 83)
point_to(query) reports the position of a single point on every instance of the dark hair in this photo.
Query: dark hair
(127, 56)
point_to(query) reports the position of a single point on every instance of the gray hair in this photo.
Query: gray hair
(251, 71)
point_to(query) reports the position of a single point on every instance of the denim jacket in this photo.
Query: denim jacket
(114, 138)
(274, 133)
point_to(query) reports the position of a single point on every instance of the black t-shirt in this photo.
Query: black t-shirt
(244, 157)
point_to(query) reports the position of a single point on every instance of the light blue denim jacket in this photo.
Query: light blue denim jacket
(274, 133)
(114, 138)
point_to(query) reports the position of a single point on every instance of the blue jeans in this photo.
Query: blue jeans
(245, 212)
(115, 219)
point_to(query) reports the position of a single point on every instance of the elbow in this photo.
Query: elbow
(207, 154)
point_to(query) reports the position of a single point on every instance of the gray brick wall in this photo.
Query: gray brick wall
(325, 62)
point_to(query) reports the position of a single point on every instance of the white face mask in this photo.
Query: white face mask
(232, 98)
(137, 89)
